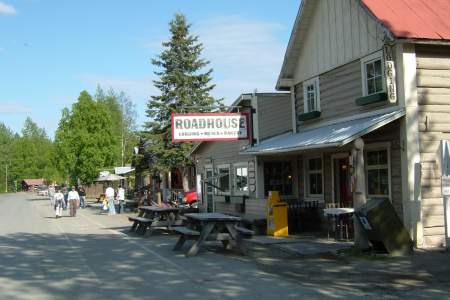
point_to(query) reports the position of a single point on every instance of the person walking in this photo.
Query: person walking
(109, 193)
(66, 197)
(58, 203)
(121, 198)
(74, 198)
(82, 193)
(51, 193)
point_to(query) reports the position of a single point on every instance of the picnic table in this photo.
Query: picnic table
(210, 226)
(155, 216)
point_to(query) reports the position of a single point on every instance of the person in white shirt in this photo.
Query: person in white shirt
(74, 199)
(109, 193)
(58, 203)
(121, 199)
(51, 193)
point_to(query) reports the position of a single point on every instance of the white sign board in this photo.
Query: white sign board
(196, 127)
(445, 185)
(445, 181)
(389, 69)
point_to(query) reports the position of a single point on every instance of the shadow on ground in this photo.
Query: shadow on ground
(423, 275)
(84, 266)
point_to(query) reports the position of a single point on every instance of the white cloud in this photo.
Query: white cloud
(7, 9)
(245, 54)
(136, 88)
(10, 108)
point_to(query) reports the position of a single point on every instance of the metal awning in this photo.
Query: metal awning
(336, 134)
(123, 170)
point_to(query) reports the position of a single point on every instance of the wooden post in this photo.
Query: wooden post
(359, 194)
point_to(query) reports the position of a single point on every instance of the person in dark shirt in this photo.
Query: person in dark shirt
(82, 194)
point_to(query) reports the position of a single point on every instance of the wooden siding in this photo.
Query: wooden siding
(274, 114)
(433, 93)
(339, 32)
(222, 153)
(391, 133)
(339, 88)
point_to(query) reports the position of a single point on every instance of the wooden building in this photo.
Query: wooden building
(31, 184)
(369, 84)
(226, 178)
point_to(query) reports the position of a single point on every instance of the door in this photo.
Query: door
(209, 190)
(342, 182)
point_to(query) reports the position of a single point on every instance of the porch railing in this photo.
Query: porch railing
(304, 216)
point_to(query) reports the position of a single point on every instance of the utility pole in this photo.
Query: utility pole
(6, 180)
(123, 129)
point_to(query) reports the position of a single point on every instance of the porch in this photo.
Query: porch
(303, 245)
(321, 167)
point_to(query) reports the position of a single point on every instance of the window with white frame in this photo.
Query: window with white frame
(314, 176)
(373, 74)
(240, 178)
(377, 173)
(223, 181)
(311, 95)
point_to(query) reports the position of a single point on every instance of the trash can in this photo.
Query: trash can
(384, 229)
(277, 215)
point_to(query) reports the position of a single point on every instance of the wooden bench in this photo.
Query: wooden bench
(244, 233)
(186, 234)
(140, 224)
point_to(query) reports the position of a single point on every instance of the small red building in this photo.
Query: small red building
(30, 184)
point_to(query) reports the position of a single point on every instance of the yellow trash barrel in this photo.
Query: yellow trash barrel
(277, 215)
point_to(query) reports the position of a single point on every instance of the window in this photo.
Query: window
(372, 71)
(378, 173)
(278, 177)
(241, 178)
(223, 181)
(314, 176)
(311, 95)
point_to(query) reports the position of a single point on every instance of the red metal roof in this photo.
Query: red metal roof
(419, 19)
(31, 182)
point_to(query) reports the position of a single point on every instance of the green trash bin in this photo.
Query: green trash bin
(384, 228)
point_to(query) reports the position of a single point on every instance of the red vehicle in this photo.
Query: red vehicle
(190, 196)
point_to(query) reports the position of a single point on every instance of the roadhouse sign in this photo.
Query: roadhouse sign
(197, 127)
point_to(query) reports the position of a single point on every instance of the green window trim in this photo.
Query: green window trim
(378, 97)
(309, 115)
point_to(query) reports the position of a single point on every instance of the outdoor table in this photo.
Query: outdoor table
(336, 213)
(157, 217)
(207, 226)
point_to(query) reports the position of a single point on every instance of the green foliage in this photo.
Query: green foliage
(29, 155)
(84, 139)
(123, 115)
(6, 139)
(183, 84)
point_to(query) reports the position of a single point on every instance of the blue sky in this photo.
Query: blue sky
(50, 50)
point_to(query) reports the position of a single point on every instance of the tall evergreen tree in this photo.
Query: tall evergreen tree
(185, 85)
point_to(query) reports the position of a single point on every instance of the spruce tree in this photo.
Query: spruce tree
(185, 85)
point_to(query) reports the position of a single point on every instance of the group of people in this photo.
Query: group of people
(62, 198)
(113, 199)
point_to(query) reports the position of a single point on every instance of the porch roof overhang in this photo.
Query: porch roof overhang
(327, 136)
